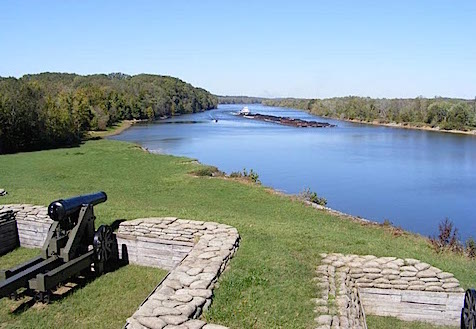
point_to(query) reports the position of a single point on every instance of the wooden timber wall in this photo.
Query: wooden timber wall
(8, 231)
(159, 242)
(435, 307)
(32, 223)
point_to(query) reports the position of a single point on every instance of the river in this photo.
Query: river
(413, 178)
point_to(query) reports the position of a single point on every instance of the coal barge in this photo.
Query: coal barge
(285, 120)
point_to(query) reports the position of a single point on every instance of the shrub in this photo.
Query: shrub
(311, 196)
(251, 175)
(387, 223)
(447, 238)
(206, 171)
(471, 248)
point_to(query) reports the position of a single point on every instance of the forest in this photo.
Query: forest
(46, 110)
(444, 113)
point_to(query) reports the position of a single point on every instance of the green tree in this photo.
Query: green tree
(437, 113)
(150, 113)
(459, 116)
(52, 109)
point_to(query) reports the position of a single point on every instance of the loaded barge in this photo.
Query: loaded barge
(285, 120)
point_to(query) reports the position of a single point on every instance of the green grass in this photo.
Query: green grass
(102, 303)
(19, 255)
(269, 282)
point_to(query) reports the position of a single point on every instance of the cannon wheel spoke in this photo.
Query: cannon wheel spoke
(103, 241)
(473, 309)
(468, 313)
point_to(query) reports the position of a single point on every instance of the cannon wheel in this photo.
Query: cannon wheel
(103, 242)
(468, 313)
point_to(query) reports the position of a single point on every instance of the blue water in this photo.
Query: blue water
(412, 178)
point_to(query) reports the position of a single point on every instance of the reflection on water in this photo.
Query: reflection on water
(413, 178)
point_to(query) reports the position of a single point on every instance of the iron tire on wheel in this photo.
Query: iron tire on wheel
(103, 242)
(468, 313)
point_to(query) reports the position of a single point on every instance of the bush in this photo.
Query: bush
(311, 196)
(471, 248)
(251, 175)
(206, 171)
(447, 238)
(387, 223)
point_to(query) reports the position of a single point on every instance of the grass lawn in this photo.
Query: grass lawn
(269, 282)
(102, 303)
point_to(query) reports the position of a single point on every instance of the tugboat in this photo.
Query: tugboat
(245, 111)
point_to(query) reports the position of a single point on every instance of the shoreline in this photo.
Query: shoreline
(273, 190)
(335, 212)
(400, 125)
(390, 226)
(126, 124)
(119, 128)
(391, 125)
(283, 231)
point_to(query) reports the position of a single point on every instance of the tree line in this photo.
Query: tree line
(444, 113)
(240, 100)
(57, 109)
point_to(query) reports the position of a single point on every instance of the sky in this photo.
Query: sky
(306, 49)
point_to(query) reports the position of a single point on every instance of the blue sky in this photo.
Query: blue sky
(261, 48)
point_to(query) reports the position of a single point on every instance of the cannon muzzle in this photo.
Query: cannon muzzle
(61, 209)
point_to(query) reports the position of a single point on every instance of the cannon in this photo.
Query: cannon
(72, 248)
(468, 313)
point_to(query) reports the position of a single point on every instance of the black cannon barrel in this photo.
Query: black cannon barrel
(60, 209)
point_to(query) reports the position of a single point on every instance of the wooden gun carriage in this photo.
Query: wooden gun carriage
(72, 248)
(468, 313)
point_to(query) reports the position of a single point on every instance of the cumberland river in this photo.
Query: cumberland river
(412, 178)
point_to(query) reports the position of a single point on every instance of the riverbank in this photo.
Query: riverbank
(399, 125)
(114, 130)
(126, 124)
(270, 280)
(452, 112)
(120, 127)
(408, 126)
